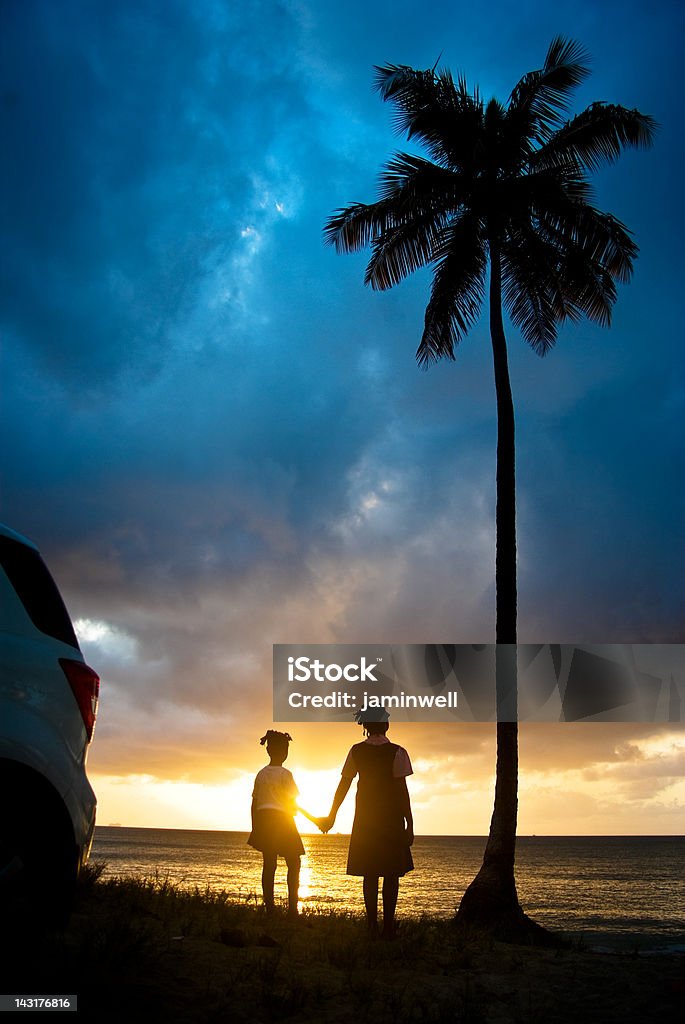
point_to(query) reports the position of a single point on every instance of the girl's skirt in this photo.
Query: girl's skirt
(274, 832)
(378, 844)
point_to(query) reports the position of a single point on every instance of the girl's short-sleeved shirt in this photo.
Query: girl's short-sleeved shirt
(274, 789)
(401, 766)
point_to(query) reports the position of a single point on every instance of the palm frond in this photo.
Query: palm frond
(457, 291)
(412, 182)
(557, 201)
(597, 136)
(601, 237)
(434, 109)
(397, 79)
(564, 266)
(411, 188)
(401, 250)
(532, 288)
(539, 100)
(561, 191)
(355, 226)
(569, 59)
(578, 285)
(589, 286)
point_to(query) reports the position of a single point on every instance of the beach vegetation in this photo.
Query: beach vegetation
(145, 948)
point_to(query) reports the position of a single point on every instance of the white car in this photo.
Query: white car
(48, 705)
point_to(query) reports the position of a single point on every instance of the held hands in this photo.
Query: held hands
(409, 835)
(321, 823)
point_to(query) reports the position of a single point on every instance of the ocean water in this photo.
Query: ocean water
(615, 892)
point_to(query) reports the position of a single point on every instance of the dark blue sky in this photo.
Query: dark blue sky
(220, 438)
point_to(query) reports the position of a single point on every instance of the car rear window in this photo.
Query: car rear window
(36, 590)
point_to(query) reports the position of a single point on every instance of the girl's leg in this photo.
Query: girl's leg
(293, 885)
(268, 872)
(371, 902)
(391, 886)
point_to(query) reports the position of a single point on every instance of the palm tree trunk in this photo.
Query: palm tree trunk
(491, 900)
(501, 848)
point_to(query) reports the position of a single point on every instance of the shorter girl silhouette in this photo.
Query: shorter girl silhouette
(274, 805)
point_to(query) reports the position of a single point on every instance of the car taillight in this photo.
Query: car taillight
(85, 685)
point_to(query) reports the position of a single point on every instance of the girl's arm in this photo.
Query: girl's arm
(340, 794)
(405, 807)
(294, 807)
(311, 817)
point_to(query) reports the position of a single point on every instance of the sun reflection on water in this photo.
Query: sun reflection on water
(305, 883)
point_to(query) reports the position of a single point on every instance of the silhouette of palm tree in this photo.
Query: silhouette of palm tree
(505, 186)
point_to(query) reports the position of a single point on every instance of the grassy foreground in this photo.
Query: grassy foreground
(141, 948)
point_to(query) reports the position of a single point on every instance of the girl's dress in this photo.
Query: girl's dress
(273, 827)
(378, 845)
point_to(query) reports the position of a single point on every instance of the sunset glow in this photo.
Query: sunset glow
(636, 787)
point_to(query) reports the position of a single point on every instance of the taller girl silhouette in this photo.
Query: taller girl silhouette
(383, 829)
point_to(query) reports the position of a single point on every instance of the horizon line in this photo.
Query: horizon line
(426, 835)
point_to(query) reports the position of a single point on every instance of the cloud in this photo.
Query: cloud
(220, 439)
(156, 166)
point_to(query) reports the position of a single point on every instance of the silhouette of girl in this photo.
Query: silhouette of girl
(274, 805)
(383, 828)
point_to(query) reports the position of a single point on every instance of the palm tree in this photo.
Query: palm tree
(506, 188)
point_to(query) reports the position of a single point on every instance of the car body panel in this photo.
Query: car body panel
(43, 738)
